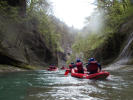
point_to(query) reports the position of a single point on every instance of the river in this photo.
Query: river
(44, 85)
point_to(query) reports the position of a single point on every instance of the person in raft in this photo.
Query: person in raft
(63, 67)
(52, 66)
(93, 66)
(79, 66)
(72, 65)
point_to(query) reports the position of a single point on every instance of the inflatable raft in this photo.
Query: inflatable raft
(99, 75)
(69, 71)
(52, 69)
(63, 68)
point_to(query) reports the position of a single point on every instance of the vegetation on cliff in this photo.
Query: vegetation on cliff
(103, 37)
(30, 34)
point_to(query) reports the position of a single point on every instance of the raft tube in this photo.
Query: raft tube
(69, 70)
(99, 75)
(63, 68)
(50, 69)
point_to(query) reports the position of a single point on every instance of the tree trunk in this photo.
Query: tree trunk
(22, 4)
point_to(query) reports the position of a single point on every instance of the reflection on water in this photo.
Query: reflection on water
(44, 85)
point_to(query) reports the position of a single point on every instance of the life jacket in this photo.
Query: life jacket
(70, 66)
(92, 66)
(79, 66)
(62, 67)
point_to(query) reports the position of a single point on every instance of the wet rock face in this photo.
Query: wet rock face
(127, 27)
(21, 44)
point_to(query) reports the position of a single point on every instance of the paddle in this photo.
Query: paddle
(66, 72)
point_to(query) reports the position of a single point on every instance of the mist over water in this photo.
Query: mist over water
(96, 22)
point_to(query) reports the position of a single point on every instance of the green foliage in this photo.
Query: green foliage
(71, 58)
(106, 43)
(9, 12)
(39, 10)
(117, 13)
(88, 43)
(37, 20)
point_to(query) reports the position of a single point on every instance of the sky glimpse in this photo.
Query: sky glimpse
(73, 12)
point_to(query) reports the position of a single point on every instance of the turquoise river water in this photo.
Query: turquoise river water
(45, 85)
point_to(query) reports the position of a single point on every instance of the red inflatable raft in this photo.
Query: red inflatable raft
(99, 75)
(52, 69)
(63, 68)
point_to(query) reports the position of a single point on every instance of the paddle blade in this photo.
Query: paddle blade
(66, 72)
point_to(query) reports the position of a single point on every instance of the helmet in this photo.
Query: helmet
(78, 60)
(72, 62)
(91, 59)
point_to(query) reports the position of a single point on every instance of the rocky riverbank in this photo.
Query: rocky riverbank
(9, 68)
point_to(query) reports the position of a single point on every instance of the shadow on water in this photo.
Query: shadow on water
(44, 85)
